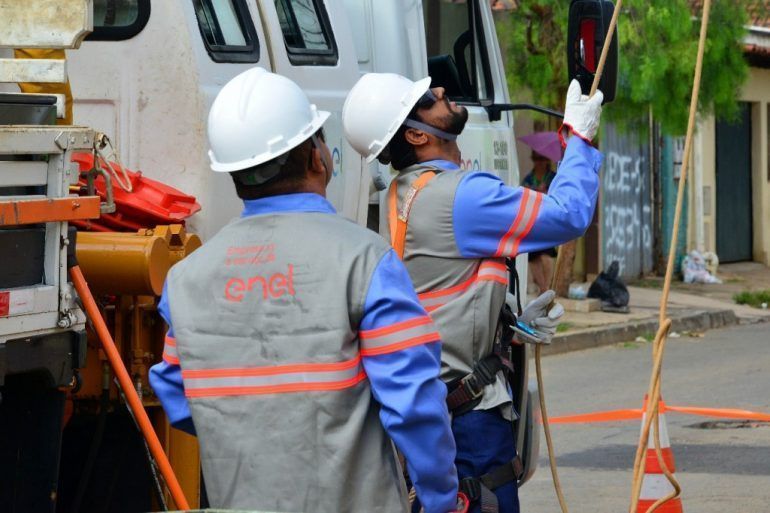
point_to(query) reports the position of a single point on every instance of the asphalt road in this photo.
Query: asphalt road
(722, 467)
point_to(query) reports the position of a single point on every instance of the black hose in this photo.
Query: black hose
(120, 460)
(93, 450)
(158, 488)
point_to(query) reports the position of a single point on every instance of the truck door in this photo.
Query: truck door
(464, 58)
(311, 43)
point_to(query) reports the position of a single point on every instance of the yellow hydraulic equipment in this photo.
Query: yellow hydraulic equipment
(132, 264)
(133, 398)
(133, 267)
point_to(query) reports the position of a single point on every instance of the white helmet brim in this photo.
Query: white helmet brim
(414, 96)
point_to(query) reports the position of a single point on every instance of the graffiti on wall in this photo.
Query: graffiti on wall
(626, 208)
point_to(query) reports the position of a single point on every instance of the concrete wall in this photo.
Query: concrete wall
(702, 210)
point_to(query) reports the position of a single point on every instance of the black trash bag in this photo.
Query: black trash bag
(609, 288)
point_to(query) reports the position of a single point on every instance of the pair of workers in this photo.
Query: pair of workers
(303, 361)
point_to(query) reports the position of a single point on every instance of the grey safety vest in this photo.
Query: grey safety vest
(463, 296)
(266, 317)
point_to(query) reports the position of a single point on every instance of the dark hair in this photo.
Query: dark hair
(399, 153)
(290, 179)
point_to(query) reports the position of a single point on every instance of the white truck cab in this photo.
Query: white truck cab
(150, 71)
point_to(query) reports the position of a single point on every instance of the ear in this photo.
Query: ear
(416, 137)
(316, 161)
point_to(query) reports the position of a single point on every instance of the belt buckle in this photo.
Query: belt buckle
(471, 487)
(471, 384)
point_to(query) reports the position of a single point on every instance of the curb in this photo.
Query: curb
(623, 332)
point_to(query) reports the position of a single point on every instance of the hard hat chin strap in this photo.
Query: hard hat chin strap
(411, 123)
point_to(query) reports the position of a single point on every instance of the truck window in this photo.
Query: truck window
(307, 32)
(457, 52)
(227, 30)
(118, 20)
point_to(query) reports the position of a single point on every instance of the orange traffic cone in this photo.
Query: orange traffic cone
(655, 485)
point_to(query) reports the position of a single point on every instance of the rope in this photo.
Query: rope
(547, 430)
(102, 141)
(665, 322)
(560, 263)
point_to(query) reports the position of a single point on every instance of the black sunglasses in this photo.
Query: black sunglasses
(427, 100)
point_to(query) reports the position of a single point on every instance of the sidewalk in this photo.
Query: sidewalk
(692, 308)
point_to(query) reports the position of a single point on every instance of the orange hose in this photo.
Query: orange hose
(128, 388)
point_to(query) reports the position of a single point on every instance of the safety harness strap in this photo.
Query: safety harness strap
(482, 488)
(477, 492)
(398, 219)
(503, 474)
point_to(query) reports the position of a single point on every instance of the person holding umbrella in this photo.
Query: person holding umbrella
(546, 147)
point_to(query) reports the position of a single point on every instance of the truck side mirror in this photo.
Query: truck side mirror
(589, 21)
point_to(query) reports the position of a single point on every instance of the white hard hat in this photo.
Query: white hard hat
(376, 107)
(256, 117)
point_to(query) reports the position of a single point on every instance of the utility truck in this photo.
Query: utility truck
(145, 76)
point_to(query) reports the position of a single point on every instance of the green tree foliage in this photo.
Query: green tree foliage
(658, 45)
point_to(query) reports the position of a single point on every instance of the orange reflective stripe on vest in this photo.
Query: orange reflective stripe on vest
(170, 354)
(274, 379)
(396, 337)
(489, 270)
(398, 220)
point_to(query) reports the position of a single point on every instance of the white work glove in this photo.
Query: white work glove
(538, 314)
(581, 114)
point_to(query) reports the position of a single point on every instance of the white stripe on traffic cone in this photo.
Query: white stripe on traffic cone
(655, 485)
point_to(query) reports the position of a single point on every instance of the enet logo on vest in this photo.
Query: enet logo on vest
(273, 286)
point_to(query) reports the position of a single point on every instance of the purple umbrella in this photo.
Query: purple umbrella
(545, 143)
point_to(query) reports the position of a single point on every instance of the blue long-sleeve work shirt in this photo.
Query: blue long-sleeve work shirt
(403, 376)
(492, 219)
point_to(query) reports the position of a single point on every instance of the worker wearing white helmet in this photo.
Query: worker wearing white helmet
(454, 229)
(297, 348)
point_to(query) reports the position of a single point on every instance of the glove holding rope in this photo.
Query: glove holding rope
(541, 313)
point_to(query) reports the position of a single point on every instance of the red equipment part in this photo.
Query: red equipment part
(151, 203)
(463, 504)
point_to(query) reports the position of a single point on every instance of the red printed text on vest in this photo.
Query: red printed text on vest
(273, 286)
